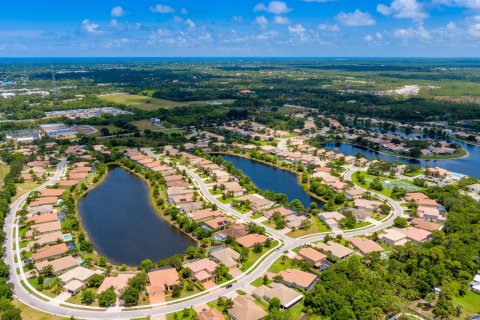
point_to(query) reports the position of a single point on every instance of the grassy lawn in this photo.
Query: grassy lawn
(186, 314)
(149, 103)
(378, 216)
(253, 257)
(316, 227)
(24, 187)
(470, 302)
(111, 128)
(144, 124)
(34, 314)
(215, 192)
(77, 299)
(184, 292)
(281, 264)
(256, 215)
(4, 168)
(360, 224)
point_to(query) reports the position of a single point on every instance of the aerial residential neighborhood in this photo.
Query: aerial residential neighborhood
(249, 160)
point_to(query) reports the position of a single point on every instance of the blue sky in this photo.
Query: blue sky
(86, 28)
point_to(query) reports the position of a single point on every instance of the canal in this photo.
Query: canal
(124, 226)
(271, 178)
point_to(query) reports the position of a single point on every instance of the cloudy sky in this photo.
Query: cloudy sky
(237, 28)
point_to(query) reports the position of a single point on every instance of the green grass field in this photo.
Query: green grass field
(470, 302)
(149, 103)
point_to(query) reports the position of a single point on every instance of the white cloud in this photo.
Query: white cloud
(190, 23)
(183, 11)
(267, 35)
(275, 7)
(420, 33)
(328, 27)
(117, 12)
(237, 19)
(368, 38)
(379, 36)
(90, 27)
(355, 19)
(161, 8)
(474, 30)
(451, 25)
(403, 9)
(262, 21)
(281, 20)
(298, 28)
(318, 1)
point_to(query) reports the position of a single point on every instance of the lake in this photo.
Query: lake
(468, 165)
(123, 225)
(271, 178)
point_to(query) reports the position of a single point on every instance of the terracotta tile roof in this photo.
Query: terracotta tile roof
(365, 245)
(43, 218)
(298, 277)
(59, 265)
(250, 240)
(50, 251)
(162, 279)
(51, 192)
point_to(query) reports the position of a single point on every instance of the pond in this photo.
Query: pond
(123, 225)
(468, 165)
(271, 178)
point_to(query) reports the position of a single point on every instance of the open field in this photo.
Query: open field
(149, 103)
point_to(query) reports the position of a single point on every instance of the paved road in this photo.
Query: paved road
(53, 307)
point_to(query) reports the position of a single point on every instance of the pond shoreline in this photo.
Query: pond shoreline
(298, 176)
(158, 213)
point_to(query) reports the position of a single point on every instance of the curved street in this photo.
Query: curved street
(49, 305)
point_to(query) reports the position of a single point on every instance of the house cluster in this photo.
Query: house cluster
(35, 169)
(48, 249)
(253, 129)
(427, 209)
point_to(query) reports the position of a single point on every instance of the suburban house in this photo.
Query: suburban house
(43, 218)
(415, 234)
(280, 210)
(366, 205)
(337, 250)
(48, 227)
(204, 214)
(425, 225)
(47, 238)
(58, 265)
(365, 245)
(51, 193)
(297, 279)
(74, 280)
(288, 297)
(210, 314)
(245, 308)
(331, 219)
(50, 252)
(312, 256)
(232, 189)
(250, 240)
(161, 280)
(235, 231)
(216, 223)
(257, 202)
(119, 283)
(202, 269)
(393, 238)
(226, 255)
